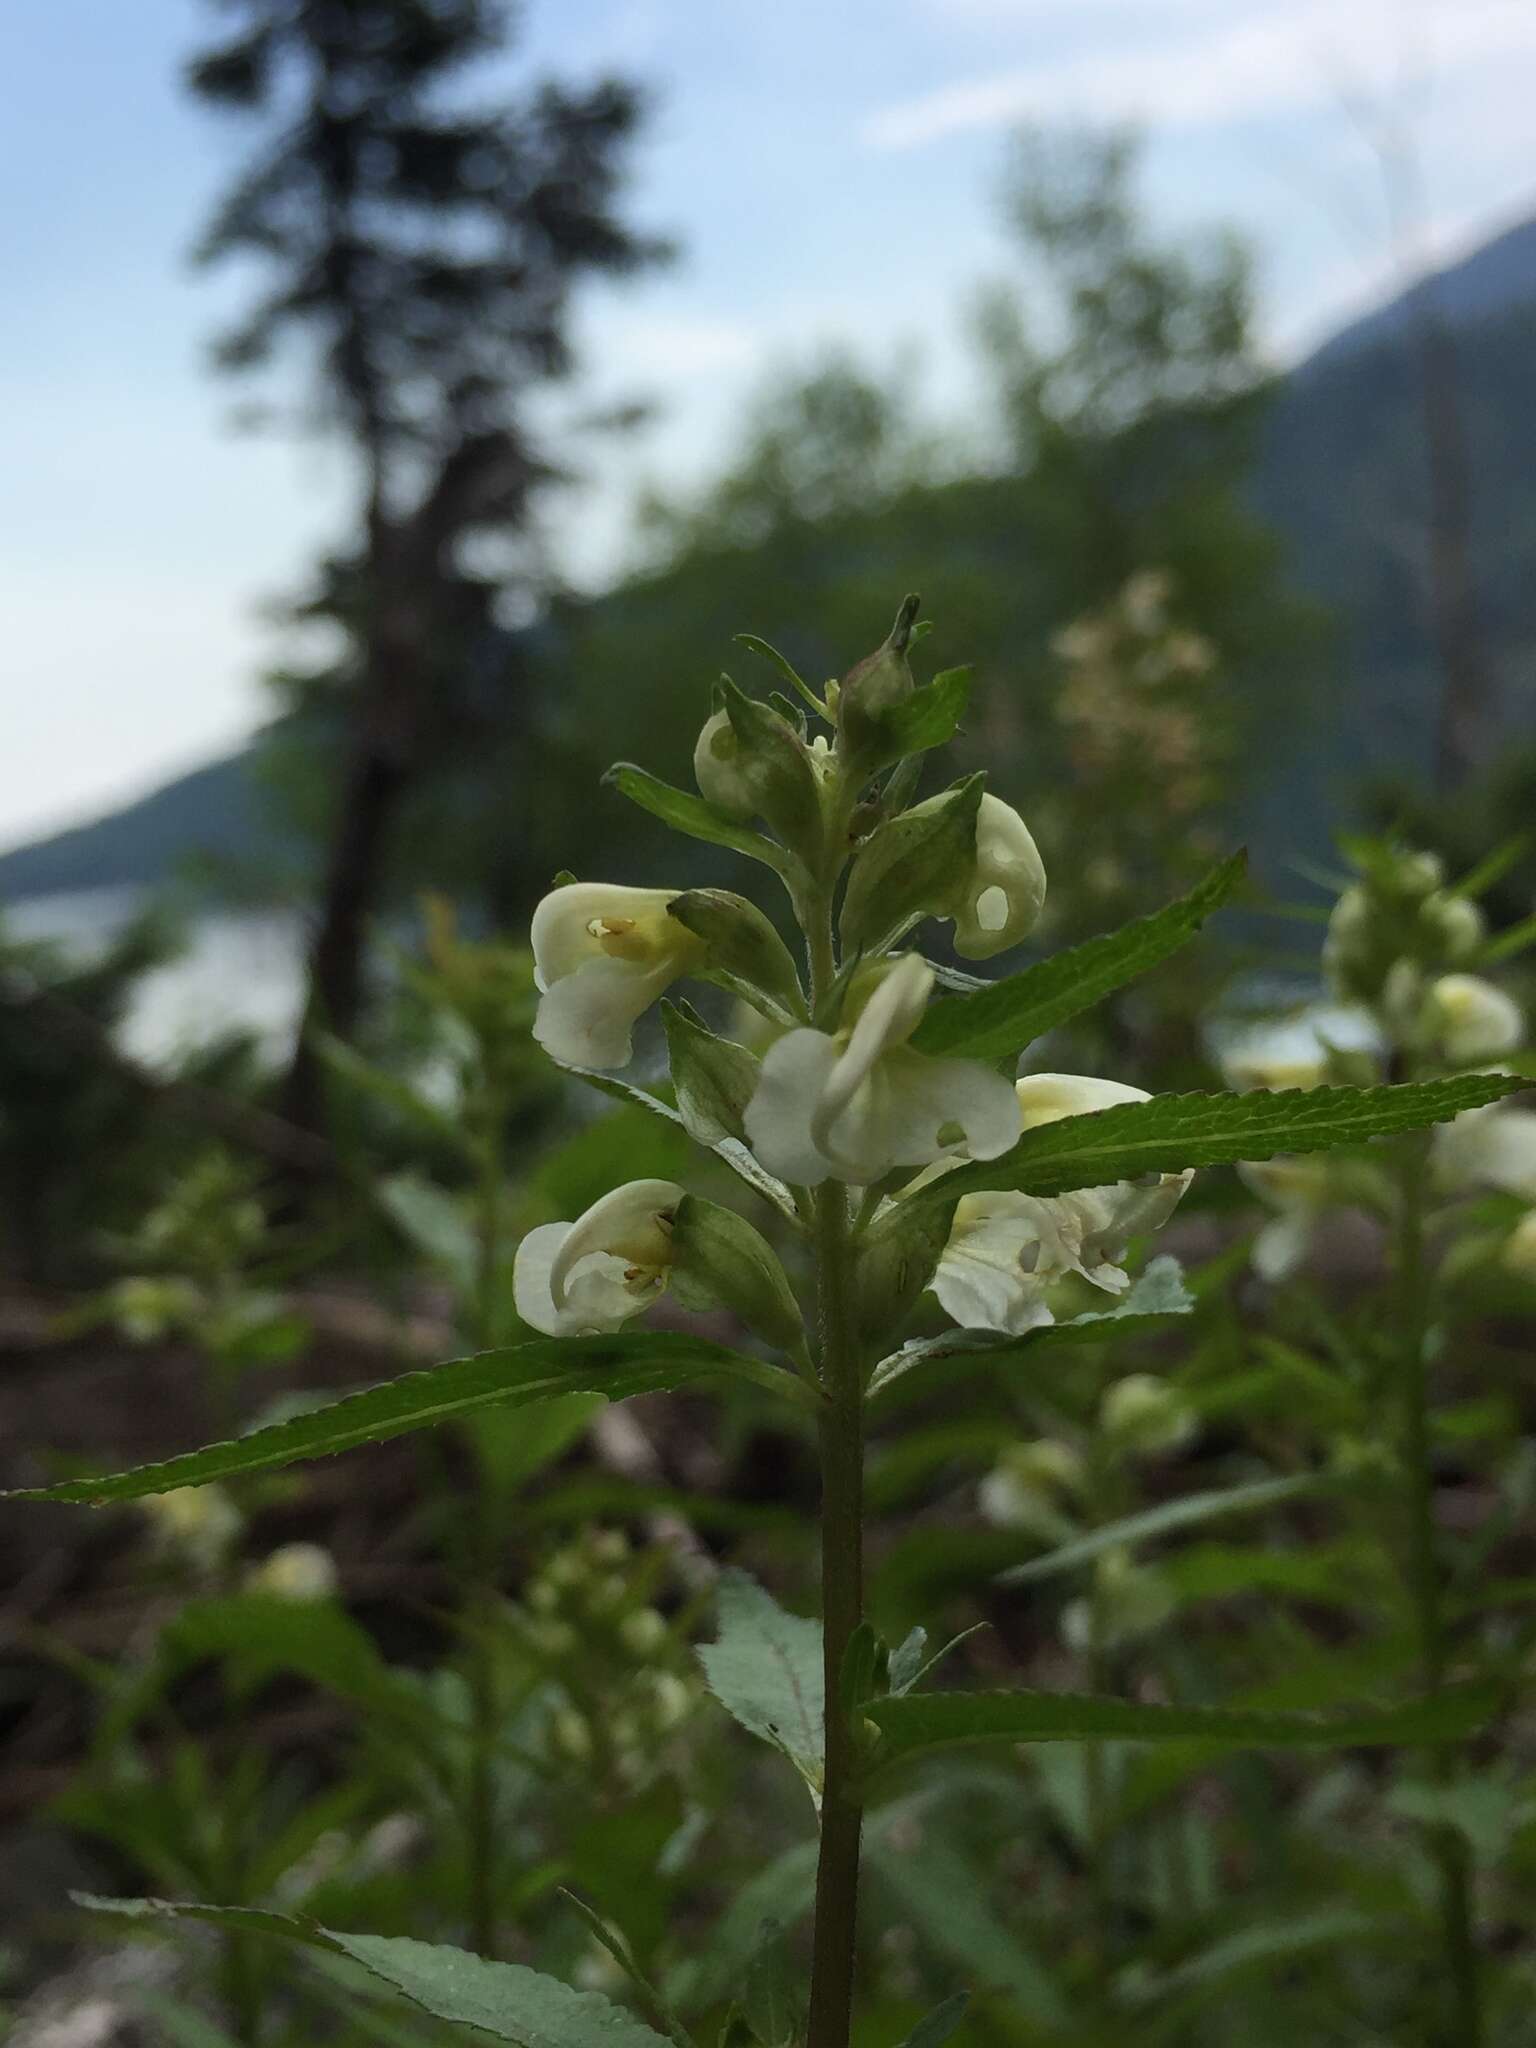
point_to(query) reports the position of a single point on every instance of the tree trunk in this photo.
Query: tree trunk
(377, 780)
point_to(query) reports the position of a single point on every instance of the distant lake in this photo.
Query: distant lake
(240, 969)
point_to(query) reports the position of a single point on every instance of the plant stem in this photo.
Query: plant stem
(842, 1561)
(1448, 1845)
(481, 1820)
(842, 1593)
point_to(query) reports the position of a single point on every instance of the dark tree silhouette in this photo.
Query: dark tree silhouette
(423, 249)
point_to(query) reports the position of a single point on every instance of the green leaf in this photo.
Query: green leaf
(930, 717)
(1194, 1508)
(765, 1668)
(936, 2027)
(1172, 1132)
(715, 1078)
(1001, 1019)
(1158, 1292)
(504, 2000)
(693, 816)
(616, 1366)
(942, 1893)
(918, 1723)
(769, 653)
(435, 1224)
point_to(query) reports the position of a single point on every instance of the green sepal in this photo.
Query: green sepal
(742, 942)
(775, 763)
(915, 865)
(714, 1078)
(720, 1261)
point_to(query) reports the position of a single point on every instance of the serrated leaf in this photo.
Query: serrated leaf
(1159, 1292)
(616, 1366)
(918, 1723)
(765, 1668)
(1001, 1019)
(504, 2000)
(1172, 1132)
(1215, 1505)
(693, 816)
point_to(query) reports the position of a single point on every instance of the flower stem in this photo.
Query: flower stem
(842, 1591)
(842, 1561)
(1449, 1848)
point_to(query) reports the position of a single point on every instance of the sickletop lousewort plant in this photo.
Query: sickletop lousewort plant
(897, 1155)
(1456, 1207)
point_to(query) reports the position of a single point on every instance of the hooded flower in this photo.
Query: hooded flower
(602, 954)
(1006, 1249)
(859, 1102)
(1005, 891)
(1467, 1019)
(571, 1279)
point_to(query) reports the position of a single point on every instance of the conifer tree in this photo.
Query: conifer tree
(421, 246)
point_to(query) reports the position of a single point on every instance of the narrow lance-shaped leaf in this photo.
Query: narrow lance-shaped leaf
(999, 1020)
(502, 2000)
(616, 1365)
(693, 816)
(919, 1722)
(1216, 1504)
(1172, 1132)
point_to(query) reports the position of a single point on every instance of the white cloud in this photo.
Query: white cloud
(1255, 61)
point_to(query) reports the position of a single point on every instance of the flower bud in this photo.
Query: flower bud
(719, 771)
(720, 1261)
(1466, 1019)
(643, 1632)
(296, 1571)
(1129, 1600)
(872, 689)
(1455, 923)
(774, 768)
(714, 1078)
(915, 865)
(1023, 1489)
(1519, 1253)
(1145, 1417)
(741, 943)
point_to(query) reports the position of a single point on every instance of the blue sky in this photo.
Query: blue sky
(829, 170)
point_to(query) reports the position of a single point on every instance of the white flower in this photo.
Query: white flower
(1298, 1190)
(295, 1571)
(1023, 1489)
(1005, 891)
(1006, 1249)
(571, 1279)
(1467, 1019)
(860, 1102)
(602, 954)
(201, 1521)
(1493, 1147)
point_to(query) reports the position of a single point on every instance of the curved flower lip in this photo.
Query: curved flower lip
(627, 1224)
(598, 1272)
(861, 1103)
(889, 1018)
